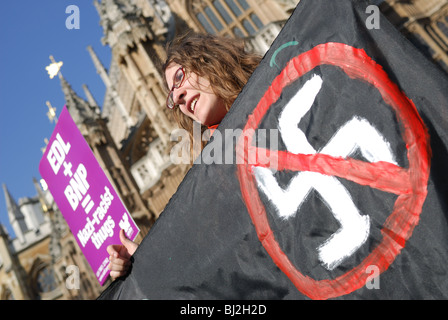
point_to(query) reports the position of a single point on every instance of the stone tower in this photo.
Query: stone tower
(43, 259)
(424, 23)
(137, 32)
(134, 95)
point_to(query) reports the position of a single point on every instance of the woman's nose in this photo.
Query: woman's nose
(179, 95)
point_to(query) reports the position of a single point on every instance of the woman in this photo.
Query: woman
(204, 74)
(216, 70)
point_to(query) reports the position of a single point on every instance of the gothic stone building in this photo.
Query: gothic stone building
(130, 134)
(43, 261)
(424, 23)
(137, 33)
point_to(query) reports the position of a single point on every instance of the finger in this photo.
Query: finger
(130, 245)
(119, 261)
(118, 264)
(111, 249)
(118, 267)
(116, 274)
(115, 248)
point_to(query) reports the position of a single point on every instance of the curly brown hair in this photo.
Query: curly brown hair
(223, 61)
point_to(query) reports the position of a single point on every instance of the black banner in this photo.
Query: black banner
(327, 179)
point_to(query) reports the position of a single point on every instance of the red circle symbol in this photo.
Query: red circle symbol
(409, 184)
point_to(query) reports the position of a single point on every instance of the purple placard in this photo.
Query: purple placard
(88, 201)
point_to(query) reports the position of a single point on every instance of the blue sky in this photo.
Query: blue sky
(31, 31)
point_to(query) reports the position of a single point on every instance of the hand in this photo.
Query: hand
(120, 256)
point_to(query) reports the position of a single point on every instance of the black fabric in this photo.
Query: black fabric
(206, 245)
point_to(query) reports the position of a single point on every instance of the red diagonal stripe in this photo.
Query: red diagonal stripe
(380, 175)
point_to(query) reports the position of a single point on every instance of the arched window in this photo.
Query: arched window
(226, 17)
(443, 26)
(46, 281)
(7, 294)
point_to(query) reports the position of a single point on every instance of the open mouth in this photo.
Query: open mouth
(193, 104)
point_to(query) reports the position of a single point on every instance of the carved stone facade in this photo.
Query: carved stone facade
(44, 261)
(137, 33)
(130, 134)
(424, 23)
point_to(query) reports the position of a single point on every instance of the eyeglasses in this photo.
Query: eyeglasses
(178, 80)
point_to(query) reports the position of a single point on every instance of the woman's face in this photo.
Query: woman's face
(195, 97)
